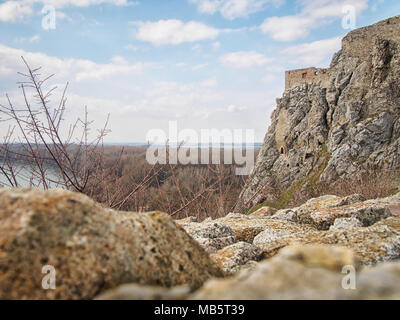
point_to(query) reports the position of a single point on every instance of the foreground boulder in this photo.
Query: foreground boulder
(138, 292)
(91, 248)
(307, 272)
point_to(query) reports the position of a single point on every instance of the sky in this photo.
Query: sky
(206, 64)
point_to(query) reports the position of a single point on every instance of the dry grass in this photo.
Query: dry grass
(371, 184)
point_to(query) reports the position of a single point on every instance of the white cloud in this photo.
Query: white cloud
(233, 108)
(209, 83)
(136, 103)
(77, 3)
(77, 69)
(199, 66)
(231, 9)
(287, 28)
(174, 32)
(313, 53)
(118, 60)
(196, 47)
(32, 39)
(216, 45)
(131, 47)
(244, 59)
(16, 10)
(312, 15)
(11, 11)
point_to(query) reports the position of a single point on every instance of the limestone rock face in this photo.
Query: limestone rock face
(91, 248)
(264, 212)
(278, 230)
(324, 203)
(244, 227)
(367, 215)
(306, 272)
(343, 223)
(371, 245)
(232, 258)
(339, 127)
(212, 236)
(286, 214)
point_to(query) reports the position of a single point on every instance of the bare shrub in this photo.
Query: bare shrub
(41, 150)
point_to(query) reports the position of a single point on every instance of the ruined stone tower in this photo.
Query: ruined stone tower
(311, 75)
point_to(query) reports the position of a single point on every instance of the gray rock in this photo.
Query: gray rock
(212, 236)
(366, 213)
(232, 258)
(270, 235)
(343, 223)
(286, 214)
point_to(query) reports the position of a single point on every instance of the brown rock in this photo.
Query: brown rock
(307, 273)
(91, 248)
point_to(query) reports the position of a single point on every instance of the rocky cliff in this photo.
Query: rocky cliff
(339, 127)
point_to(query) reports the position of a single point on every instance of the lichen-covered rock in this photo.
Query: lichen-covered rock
(324, 203)
(232, 258)
(392, 222)
(286, 214)
(367, 214)
(388, 201)
(245, 227)
(212, 236)
(278, 230)
(91, 248)
(306, 272)
(371, 245)
(264, 212)
(138, 292)
(343, 223)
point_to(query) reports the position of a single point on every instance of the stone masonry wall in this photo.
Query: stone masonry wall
(298, 77)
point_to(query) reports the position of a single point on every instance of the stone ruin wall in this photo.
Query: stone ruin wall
(357, 43)
(299, 77)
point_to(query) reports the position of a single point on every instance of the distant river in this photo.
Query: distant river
(24, 175)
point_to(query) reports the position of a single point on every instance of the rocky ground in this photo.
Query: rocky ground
(299, 253)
